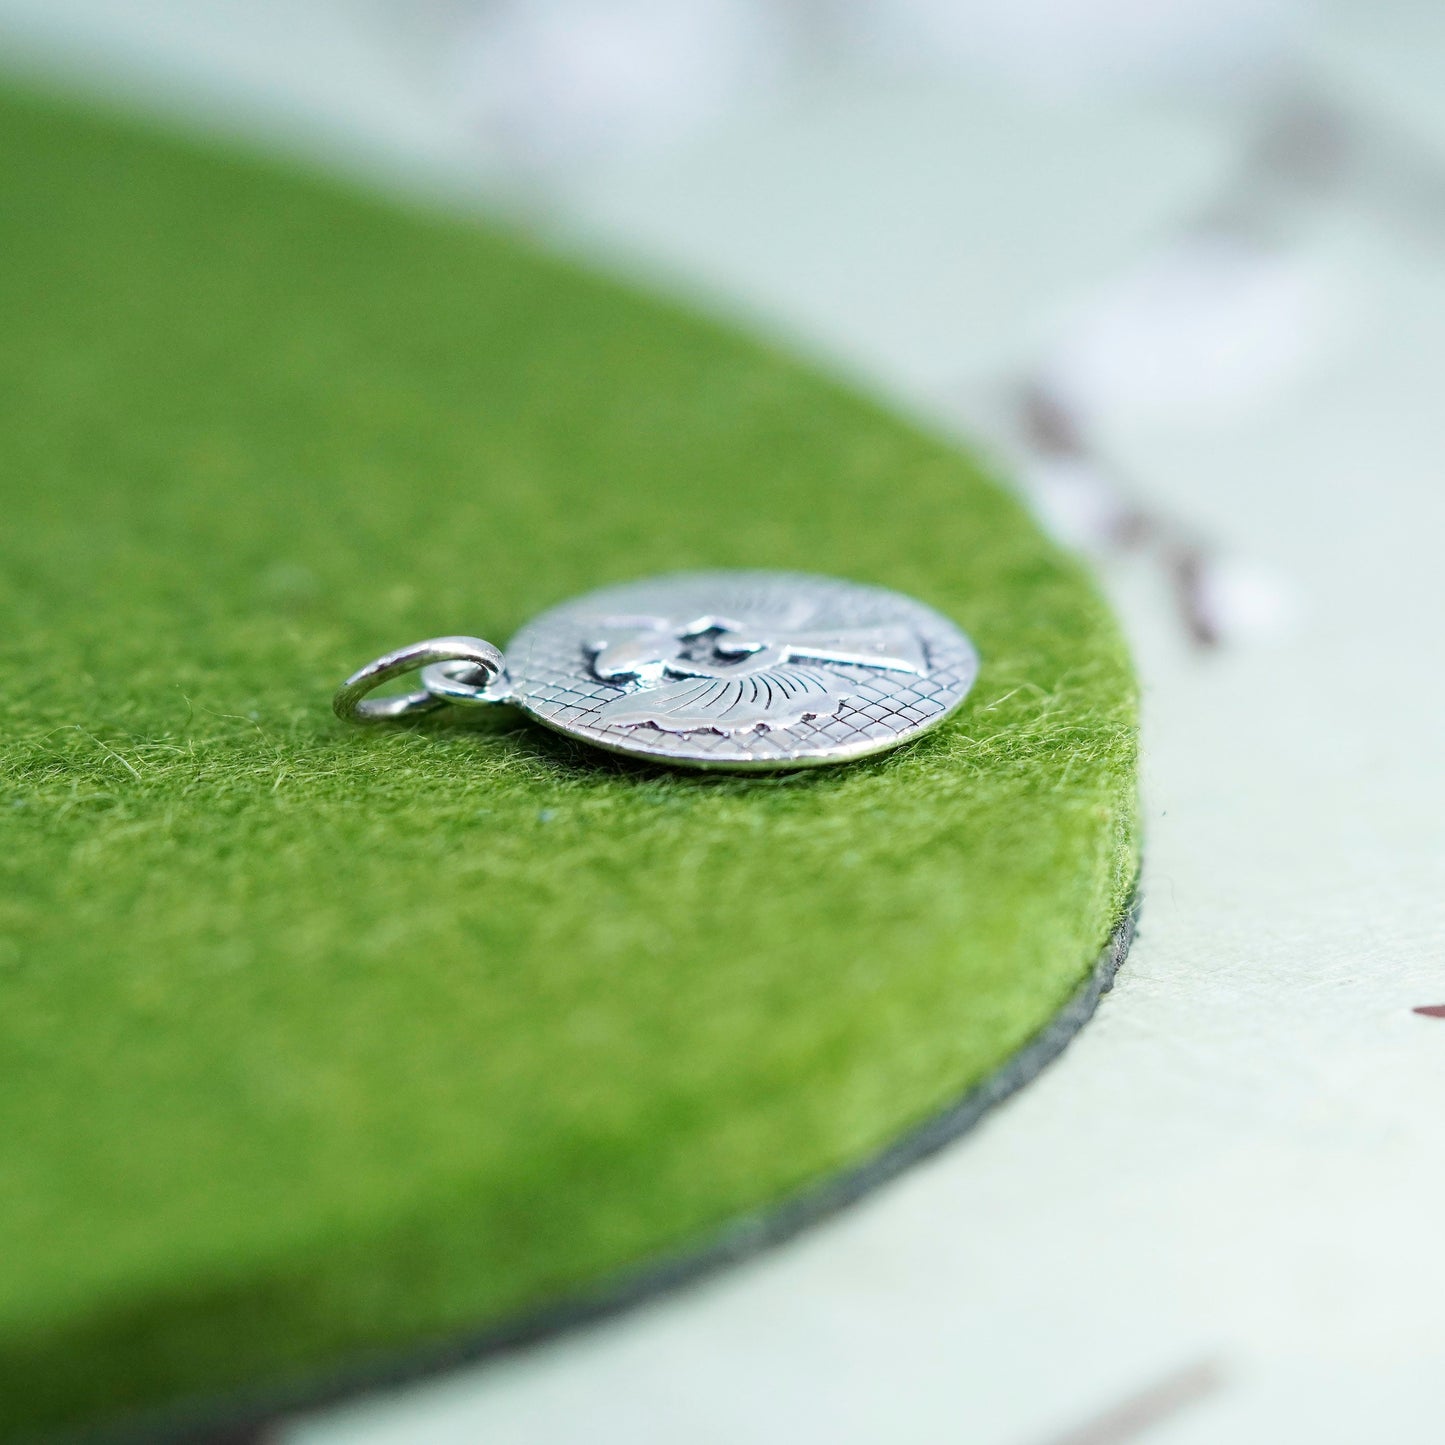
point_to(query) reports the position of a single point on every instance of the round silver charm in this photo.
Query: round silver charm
(740, 671)
(745, 671)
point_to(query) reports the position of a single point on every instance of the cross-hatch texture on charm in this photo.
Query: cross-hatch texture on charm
(708, 669)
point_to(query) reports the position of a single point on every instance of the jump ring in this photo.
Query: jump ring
(461, 681)
(481, 657)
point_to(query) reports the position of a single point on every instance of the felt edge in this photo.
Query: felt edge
(243, 1419)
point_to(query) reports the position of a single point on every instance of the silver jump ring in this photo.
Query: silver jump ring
(461, 681)
(477, 663)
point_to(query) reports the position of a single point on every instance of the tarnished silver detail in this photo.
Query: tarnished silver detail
(746, 671)
(742, 671)
(775, 697)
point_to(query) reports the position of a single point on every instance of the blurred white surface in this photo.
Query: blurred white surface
(565, 81)
(1239, 1165)
(1208, 329)
(1077, 46)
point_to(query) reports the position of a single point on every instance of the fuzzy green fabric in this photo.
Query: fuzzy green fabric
(318, 1042)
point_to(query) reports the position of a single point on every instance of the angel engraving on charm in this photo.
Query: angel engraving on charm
(721, 675)
(740, 671)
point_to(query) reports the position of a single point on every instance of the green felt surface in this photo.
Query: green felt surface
(318, 1042)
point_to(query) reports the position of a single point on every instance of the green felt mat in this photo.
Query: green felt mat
(322, 1045)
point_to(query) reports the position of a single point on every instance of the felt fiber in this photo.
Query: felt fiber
(319, 1042)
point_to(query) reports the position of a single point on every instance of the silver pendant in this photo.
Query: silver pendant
(738, 671)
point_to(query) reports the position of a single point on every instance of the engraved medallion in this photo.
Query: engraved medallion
(741, 671)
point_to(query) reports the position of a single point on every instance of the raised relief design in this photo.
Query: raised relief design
(742, 671)
(735, 675)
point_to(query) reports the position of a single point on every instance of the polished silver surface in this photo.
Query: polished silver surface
(738, 671)
(742, 671)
